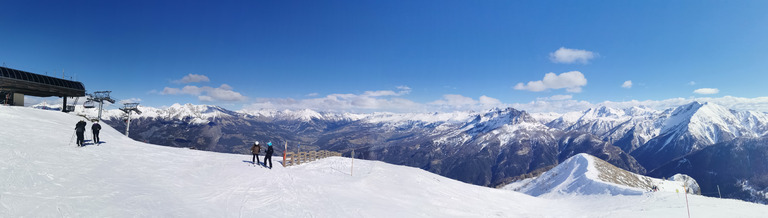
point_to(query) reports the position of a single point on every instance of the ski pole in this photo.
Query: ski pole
(71, 138)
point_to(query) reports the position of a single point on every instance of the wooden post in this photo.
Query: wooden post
(284, 150)
(290, 160)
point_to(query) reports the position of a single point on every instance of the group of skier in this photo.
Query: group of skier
(95, 128)
(80, 132)
(256, 148)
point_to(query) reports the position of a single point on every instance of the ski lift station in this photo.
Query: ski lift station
(15, 84)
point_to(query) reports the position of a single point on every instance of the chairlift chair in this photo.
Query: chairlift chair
(71, 108)
(89, 104)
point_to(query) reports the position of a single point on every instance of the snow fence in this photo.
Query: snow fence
(293, 158)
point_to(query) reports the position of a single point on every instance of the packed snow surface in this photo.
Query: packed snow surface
(43, 174)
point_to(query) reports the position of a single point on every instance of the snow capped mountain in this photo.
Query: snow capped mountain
(655, 137)
(755, 121)
(627, 129)
(545, 118)
(196, 114)
(485, 148)
(304, 115)
(694, 126)
(587, 175)
(707, 122)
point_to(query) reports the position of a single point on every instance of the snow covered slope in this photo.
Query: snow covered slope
(42, 174)
(45, 175)
(587, 175)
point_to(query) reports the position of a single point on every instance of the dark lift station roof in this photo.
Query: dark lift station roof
(26, 83)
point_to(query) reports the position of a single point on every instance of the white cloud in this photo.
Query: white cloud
(358, 103)
(130, 100)
(402, 90)
(378, 101)
(485, 100)
(313, 94)
(627, 84)
(692, 83)
(706, 91)
(192, 78)
(759, 104)
(568, 56)
(207, 93)
(170, 91)
(453, 102)
(571, 81)
(369, 101)
(223, 93)
(558, 97)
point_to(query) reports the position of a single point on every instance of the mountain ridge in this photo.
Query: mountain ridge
(486, 148)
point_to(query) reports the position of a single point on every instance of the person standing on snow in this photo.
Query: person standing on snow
(269, 155)
(80, 130)
(255, 149)
(95, 128)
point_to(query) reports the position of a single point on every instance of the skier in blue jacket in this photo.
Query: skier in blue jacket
(268, 157)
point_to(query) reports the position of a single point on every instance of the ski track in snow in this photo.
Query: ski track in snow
(43, 174)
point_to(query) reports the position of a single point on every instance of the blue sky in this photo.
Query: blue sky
(363, 56)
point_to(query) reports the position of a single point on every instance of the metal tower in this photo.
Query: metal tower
(100, 96)
(128, 108)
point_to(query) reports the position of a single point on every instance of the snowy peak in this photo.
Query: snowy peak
(190, 110)
(302, 115)
(640, 111)
(495, 119)
(452, 117)
(584, 174)
(691, 127)
(603, 111)
(507, 116)
(198, 114)
(710, 122)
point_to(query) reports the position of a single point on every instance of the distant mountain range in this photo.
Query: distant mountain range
(486, 148)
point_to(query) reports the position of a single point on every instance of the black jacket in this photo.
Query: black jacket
(95, 127)
(270, 151)
(80, 126)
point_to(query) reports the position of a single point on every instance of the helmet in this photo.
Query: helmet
(256, 143)
(269, 143)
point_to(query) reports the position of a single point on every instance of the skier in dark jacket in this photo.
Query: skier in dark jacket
(269, 155)
(80, 130)
(255, 149)
(95, 127)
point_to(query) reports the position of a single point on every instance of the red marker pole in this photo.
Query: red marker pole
(686, 200)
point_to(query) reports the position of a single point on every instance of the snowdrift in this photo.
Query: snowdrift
(587, 175)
